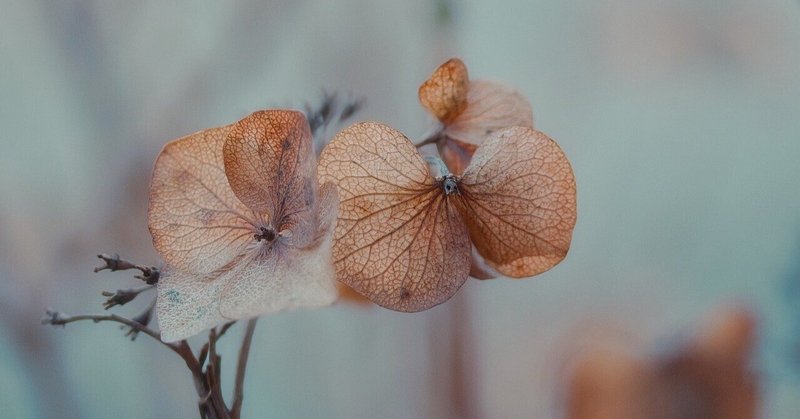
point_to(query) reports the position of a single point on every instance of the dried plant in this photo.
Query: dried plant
(404, 236)
(246, 225)
(411, 229)
(238, 217)
(468, 112)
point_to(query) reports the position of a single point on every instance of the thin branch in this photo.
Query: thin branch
(150, 274)
(244, 352)
(224, 329)
(433, 139)
(56, 318)
(122, 297)
(143, 318)
(331, 110)
(213, 381)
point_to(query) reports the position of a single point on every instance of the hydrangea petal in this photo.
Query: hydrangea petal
(490, 107)
(196, 221)
(399, 240)
(519, 202)
(444, 94)
(187, 303)
(270, 166)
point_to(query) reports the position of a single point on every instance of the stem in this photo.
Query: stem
(61, 319)
(244, 352)
(122, 297)
(150, 274)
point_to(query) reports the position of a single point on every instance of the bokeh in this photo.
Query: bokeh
(681, 119)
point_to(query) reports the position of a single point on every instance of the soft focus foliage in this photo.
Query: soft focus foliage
(237, 214)
(708, 377)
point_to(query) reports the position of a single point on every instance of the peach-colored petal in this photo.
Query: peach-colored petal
(398, 240)
(479, 269)
(266, 161)
(196, 221)
(271, 168)
(455, 154)
(350, 296)
(444, 94)
(490, 107)
(518, 200)
(283, 276)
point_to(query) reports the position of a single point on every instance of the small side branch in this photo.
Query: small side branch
(433, 139)
(57, 318)
(244, 353)
(122, 297)
(114, 262)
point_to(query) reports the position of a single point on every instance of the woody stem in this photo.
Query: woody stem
(244, 352)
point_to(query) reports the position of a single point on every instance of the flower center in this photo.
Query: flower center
(449, 184)
(265, 233)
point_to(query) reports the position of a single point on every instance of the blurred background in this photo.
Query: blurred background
(681, 119)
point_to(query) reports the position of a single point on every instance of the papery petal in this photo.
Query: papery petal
(444, 94)
(519, 202)
(196, 221)
(490, 107)
(399, 241)
(270, 166)
(302, 280)
(188, 303)
(455, 154)
(479, 269)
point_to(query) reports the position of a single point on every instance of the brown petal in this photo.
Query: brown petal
(398, 240)
(444, 94)
(270, 166)
(479, 269)
(455, 154)
(519, 202)
(490, 107)
(196, 221)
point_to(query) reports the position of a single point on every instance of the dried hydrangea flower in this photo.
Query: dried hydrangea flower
(404, 236)
(469, 111)
(237, 214)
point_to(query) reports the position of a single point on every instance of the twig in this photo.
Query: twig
(331, 110)
(122, 297)
(56, 318)
(244, 352)
(432, 139)
(143, 318)
(224, 329)
(150, 274)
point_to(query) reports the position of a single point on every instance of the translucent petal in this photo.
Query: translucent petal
(270, 165)
(287, 277)
(519, 203)
(196, 221)
(490, 107)
(399, 240)
(444, 94)
(455, 154)
(187, 303)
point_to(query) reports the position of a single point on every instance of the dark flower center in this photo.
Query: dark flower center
(265, 233)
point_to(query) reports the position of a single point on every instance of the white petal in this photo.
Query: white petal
(187, 304)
